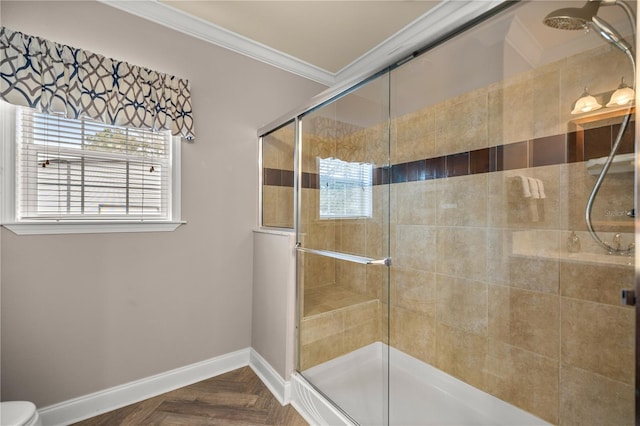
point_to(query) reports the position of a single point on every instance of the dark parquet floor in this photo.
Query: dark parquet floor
(235, 398)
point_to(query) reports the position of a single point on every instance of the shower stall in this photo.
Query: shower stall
(455, 265)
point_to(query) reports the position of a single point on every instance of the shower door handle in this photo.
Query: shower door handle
(345, 256)
(386, 262)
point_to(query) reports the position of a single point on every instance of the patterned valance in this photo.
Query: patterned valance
(58, 79)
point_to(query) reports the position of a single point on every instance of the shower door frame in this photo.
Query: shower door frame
(337, 255)
(637, 239)
(637, 255)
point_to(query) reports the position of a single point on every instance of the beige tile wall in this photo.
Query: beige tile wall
(277, 206)
(508, 312)
(337, 332)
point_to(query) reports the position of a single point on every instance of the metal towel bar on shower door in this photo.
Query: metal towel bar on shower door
(344, 256)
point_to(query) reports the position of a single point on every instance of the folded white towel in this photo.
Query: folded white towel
(534, 213)
(541, 189)
(533, 187)
(526, 192)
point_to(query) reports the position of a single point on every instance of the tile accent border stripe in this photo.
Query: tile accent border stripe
(566, 148)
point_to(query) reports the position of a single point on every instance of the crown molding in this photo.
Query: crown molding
(178, 20)
(428, 28)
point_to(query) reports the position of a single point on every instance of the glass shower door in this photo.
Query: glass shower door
(343, 250)
(503, 308)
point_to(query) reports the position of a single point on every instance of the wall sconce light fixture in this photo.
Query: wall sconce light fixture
(586, 103)
(623, 95)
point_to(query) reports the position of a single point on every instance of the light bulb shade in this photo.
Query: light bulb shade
(622, 96)
(586, 103)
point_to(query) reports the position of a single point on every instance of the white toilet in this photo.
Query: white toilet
(19, 413)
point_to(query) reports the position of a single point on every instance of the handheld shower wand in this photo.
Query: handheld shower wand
(585, 18)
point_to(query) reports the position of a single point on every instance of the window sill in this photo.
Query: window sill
(44, 228)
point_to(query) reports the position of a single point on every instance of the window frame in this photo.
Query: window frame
(8, 194)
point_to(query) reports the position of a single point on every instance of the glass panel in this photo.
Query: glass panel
(344, 209)
(496, 280)
(277, 177)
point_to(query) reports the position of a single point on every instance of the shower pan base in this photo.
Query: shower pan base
(418, 393)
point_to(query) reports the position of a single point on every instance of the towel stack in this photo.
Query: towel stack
(533, 190)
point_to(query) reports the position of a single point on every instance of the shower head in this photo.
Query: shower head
(585, 17)
(573, 18)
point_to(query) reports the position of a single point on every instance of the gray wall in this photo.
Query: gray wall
(81, 313)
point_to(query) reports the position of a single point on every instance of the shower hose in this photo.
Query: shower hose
(614, 149)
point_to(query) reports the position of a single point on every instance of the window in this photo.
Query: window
(80, 172)
(345, 189)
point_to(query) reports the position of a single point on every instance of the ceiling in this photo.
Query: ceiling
(327, 34)
(335, 42)
(326, 41)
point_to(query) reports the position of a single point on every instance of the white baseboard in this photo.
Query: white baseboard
(280, 388)
(91, 405)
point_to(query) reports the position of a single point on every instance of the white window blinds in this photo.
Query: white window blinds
(86, 170)
(345, 189)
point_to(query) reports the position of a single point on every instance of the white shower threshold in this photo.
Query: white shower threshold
(418, 393)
